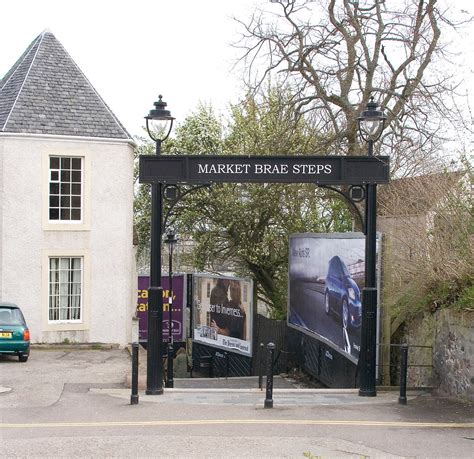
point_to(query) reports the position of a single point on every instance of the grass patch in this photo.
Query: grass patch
(416, 301)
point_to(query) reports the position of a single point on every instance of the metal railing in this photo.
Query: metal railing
(403, 364)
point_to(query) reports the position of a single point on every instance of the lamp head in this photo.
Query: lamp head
(170, 238)
(159, 121)
(371, 122)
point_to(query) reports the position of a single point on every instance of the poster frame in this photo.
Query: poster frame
(250, 315)
(317, 336)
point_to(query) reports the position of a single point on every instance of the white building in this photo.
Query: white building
(66, 202)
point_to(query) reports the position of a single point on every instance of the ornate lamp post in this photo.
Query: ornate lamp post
(158, 122)
(171, 241)
(371, 125)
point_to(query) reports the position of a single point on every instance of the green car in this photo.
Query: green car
(14, 333)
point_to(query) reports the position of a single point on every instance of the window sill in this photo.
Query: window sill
(65, 326)
(66, 227)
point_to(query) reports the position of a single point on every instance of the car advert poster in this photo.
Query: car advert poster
(177, 310)
(222, 313)
(326, 278)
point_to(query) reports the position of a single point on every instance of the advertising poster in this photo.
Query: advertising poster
(326, 277)
(222, 313)
(179, 283)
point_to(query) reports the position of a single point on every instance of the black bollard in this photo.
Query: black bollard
(269, 395)
(260, 367)
(403, 374)
(134, 396)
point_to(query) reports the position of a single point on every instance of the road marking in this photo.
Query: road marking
(199, 422)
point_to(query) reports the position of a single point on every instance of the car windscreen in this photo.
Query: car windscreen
(344, 270)
(11, 316)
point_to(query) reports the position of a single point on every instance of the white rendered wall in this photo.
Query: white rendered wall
(105, 239)
(1, 216)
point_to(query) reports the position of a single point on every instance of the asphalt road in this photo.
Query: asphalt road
(73, 404)
(307, 300)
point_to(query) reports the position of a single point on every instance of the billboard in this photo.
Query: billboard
(178, 310)
(222, 313)
(326, 277)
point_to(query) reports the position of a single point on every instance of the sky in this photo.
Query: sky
(132, 51)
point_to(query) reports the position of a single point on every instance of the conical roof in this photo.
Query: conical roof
(45, 92)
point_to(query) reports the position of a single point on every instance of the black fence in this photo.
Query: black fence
(276, 332)
(295, 349)
(216, 363)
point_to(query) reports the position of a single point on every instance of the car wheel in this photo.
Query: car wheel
(23, 357)
(345, 313)
(326, 302)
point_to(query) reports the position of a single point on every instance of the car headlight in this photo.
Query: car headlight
(351, 293)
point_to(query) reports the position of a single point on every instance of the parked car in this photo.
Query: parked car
(342, 295)
(14, 333)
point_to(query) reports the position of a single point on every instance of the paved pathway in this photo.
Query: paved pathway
(70, 403)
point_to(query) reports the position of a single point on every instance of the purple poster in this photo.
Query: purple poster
(177, 310)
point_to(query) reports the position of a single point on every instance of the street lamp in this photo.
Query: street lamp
(371, 124)
(158, 122)
(171, 241)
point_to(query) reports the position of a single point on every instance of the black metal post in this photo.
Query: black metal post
(227, 364)
(134, 395)
(154, 379)
(169, 379)
(368, 346)
(402, 399)
(260, 367)
(269, 394)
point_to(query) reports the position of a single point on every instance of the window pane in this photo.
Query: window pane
(65, 214)
(54, 162)
(54, 214)
(76, 288)
(76, 176)
(61, 206)
(65, 264)
(76, 264)
(65, 163)
(65, 201)
(53, 263)
(76, 201)
(75, 214)
(65, 288)
(63, 291)
(65, 176)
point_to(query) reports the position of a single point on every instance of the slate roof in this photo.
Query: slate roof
(45, 92)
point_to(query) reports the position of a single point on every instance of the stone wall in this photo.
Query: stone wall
(451, 335)
(454, 353)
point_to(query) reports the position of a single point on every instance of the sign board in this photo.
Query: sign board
(335, 170)
(326, 277)
(222, 313)
(178, 314)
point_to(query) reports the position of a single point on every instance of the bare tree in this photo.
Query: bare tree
(334, 56)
